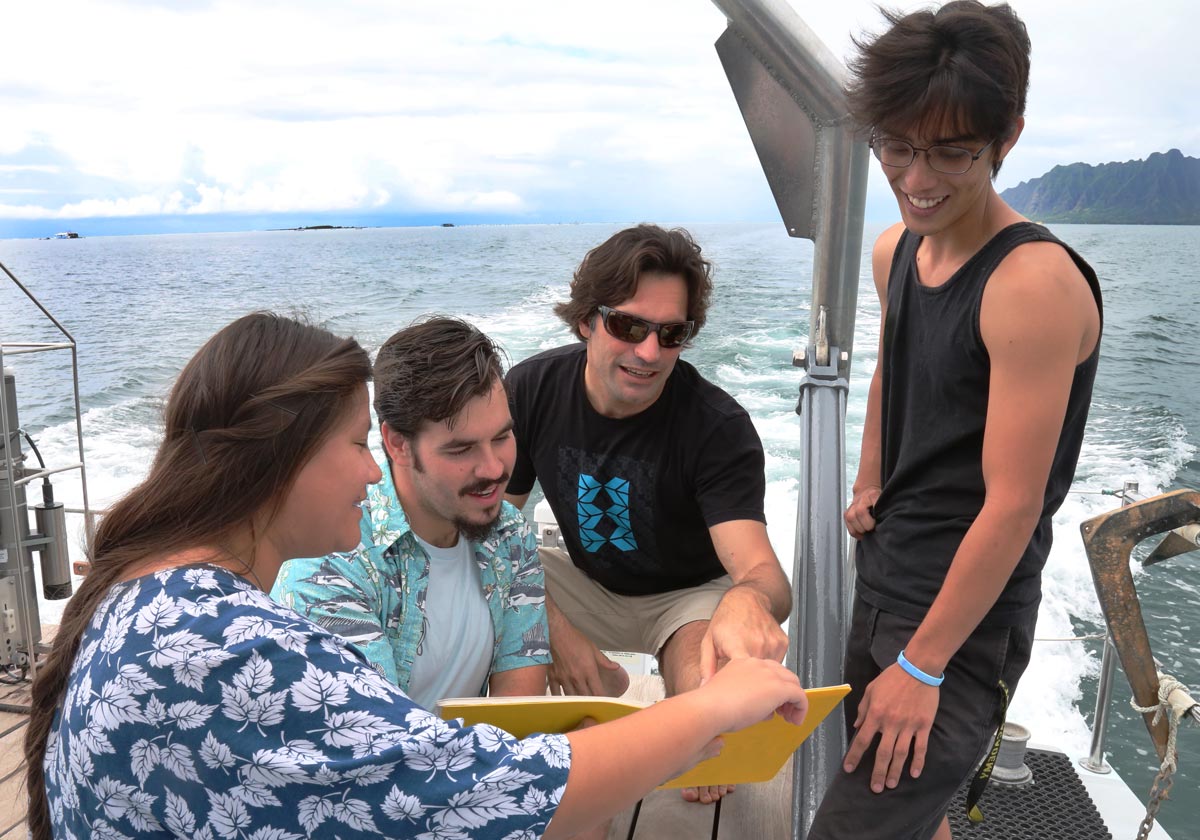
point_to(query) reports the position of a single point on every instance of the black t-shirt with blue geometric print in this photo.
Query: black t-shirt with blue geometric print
(635, 497)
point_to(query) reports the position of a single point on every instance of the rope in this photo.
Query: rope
(1163, 780)
(1091, 637)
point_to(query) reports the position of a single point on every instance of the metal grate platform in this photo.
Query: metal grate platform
(1055, 805)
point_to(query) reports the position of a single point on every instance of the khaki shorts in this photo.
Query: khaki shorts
(639, 623)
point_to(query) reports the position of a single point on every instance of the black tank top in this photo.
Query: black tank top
(935, 397)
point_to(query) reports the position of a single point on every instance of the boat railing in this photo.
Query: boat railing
(1109, 540)
(16, 548)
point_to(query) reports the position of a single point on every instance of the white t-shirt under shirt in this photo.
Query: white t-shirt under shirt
(455, 657)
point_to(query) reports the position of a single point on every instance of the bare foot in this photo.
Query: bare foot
(706, 795)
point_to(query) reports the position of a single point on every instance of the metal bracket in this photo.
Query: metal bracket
(1109, 540)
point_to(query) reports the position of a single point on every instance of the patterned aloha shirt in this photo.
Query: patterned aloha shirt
(374, 596)
(199, 708)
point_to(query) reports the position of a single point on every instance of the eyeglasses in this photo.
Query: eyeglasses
(625, 327)
(949, 160)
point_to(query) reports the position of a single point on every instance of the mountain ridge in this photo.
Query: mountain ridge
(1163, 189)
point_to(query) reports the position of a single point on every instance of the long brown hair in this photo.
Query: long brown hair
(247, 412)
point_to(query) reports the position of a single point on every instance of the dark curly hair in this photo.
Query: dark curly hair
(609, 273)
(965, 65)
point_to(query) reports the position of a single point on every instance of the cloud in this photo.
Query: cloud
(533, 111)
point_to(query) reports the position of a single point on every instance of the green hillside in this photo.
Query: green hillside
(1163, 189)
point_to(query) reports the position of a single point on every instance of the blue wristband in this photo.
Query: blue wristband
(916, 673)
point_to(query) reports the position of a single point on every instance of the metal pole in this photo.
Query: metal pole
(1108, 664)
(27, 607)
(817, 634)
(789, 88)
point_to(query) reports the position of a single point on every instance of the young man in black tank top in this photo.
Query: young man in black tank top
(975, 417)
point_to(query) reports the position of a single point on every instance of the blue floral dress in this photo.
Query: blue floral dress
(199, 708)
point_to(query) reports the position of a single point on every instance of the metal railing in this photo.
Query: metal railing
(27, 608)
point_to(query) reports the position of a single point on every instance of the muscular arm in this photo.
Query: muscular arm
(746, 621)
(1038, 321)
(859, 515)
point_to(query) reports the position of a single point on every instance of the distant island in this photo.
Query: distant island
(1163, 189)
(324, 227)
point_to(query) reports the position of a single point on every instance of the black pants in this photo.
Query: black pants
(967, 714)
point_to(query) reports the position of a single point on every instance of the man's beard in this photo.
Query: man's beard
(474, 531)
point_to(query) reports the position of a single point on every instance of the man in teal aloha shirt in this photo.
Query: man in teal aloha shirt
(445, 594)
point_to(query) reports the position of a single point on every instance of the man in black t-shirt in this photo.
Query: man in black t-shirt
(655, 476)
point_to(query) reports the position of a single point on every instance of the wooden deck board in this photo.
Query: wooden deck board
(12, 775)
(761, 812)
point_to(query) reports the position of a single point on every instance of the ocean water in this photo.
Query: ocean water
(140, 306)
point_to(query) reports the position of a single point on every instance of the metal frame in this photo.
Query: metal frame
(789, 88)
(29, 612)
(1109, 540)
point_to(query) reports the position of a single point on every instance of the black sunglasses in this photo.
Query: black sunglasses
(625, 327)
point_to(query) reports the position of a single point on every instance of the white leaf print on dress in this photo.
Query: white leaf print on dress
(214, 754)
(135, 678)
(354, 728)
(115, 706)
(508, 778)
(269, 833)
(155, 711)
(369, 774)
(318, 689)
(178, 759)
(101, 830)
(189, 714)
(274, 768)
(313, 812)
(94, 740)
(140, 815)
(400, 806)
(556, 752)
(160, 614)
(356, 814)
(143, 759)
(256, 795)
(535, 801)
(178, 647)
(256, 676)
(246, 628)
(178, 817)
(476, 808)
(490, 738)
(114, 797)
(227, 814)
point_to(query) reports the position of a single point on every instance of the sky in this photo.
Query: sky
(135, 116)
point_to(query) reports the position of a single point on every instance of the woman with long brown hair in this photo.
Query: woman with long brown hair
(179, 700)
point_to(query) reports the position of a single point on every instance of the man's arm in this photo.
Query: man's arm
(1038, 322)
(860, 515)
(746, 622)
(518, 682)
(517, 500)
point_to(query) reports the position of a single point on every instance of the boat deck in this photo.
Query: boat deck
(752, 811)
(1056, 805)
(12, 775)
